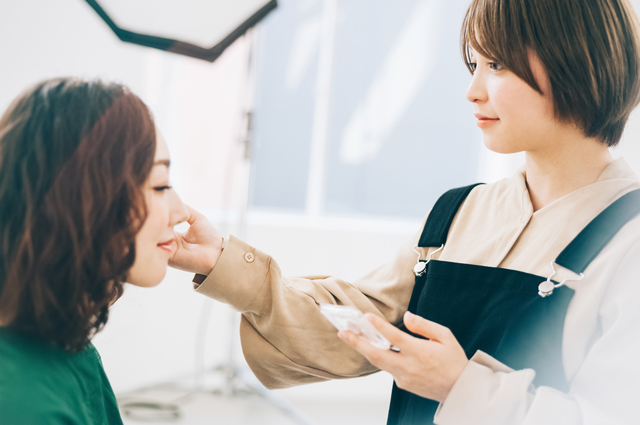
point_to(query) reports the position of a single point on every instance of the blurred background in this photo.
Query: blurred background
(322, 137)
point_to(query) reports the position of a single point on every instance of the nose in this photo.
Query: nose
(179, 212)
(476, 92)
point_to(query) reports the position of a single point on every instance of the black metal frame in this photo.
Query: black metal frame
(181, 47)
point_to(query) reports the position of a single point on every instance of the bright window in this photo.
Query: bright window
(360, 108)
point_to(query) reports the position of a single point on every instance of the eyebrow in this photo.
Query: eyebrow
(165, 162)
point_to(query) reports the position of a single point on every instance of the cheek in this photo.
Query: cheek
(518, 104)
(153, 227)
(150, 263)
(157, 214)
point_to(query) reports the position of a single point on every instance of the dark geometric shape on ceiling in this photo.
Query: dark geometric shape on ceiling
(181, 47)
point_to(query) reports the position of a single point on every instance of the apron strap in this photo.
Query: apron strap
(436, 229)
(597, 234)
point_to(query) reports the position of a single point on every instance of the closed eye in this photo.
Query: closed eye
(162, 188)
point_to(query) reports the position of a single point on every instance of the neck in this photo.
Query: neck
(553, 172)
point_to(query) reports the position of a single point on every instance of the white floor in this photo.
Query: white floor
(236, 402)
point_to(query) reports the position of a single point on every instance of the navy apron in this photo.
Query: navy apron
(515, 317)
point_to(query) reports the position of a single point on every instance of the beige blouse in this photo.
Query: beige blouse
(287, 342)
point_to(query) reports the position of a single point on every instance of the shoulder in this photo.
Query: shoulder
(622, 254)
(499, 202)
(611, 286)
(507, 188)
(39, 383)
(480, 196)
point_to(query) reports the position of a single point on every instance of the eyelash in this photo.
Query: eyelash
(494, 66)
(162, 188)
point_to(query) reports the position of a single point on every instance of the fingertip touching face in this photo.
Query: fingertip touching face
(154, 241)
(512, 115)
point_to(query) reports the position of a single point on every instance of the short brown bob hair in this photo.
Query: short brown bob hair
(589, 48)
(74, 156)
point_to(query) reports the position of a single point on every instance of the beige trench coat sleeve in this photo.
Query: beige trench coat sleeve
(285, 339)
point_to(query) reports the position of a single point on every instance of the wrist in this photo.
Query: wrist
(457, 371)
(213, 260)
(202, 274)
(198, 279)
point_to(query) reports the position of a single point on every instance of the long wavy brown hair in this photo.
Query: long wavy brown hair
(74, 156)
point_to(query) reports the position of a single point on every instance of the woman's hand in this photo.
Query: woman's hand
(199, 248)
(428, 368)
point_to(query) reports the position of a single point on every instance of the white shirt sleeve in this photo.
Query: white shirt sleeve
(605, 389)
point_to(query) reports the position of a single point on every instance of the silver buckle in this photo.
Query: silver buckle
(546, 288)
(421, 266)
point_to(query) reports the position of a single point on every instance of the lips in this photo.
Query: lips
(484, 121)
(167, 245)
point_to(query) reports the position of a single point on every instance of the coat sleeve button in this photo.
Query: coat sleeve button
(249, 257)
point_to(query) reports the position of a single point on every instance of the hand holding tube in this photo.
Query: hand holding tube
(428, 368)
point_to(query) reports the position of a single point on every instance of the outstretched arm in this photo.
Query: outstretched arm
(285, 339)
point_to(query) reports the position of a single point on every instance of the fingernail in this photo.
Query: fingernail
(408, 315)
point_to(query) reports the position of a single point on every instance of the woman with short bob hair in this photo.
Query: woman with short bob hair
(589, 50)
(517, 302)
(86, 206)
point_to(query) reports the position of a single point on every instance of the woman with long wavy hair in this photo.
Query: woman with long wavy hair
(85, 206)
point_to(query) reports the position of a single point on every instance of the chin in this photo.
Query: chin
(498, 146)
(147, 278)
(156, 277)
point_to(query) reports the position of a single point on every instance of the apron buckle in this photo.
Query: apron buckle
(546, 288)
(421, 266)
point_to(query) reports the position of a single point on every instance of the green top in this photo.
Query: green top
(43, 384)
